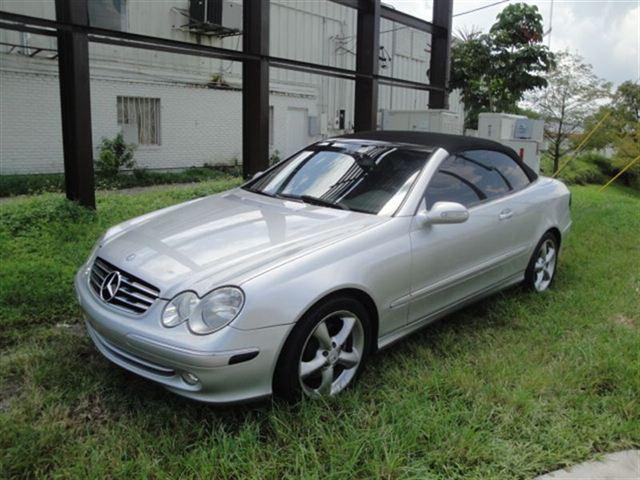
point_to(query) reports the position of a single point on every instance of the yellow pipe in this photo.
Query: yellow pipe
(629, 165)
(583, 142)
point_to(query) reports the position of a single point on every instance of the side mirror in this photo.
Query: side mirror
(444, 212)
(257, 174)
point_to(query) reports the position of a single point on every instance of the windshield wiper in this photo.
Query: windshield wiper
(323, 203)
(285, 196)
(311, 200)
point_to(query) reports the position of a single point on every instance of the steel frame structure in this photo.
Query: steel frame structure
(74, 33)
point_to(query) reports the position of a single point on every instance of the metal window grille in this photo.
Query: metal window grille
(139, 119)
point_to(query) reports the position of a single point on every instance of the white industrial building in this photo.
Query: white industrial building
(185, 110)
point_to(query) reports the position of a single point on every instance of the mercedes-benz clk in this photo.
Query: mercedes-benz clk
(285, 285)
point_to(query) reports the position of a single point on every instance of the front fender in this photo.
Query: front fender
(376, 263)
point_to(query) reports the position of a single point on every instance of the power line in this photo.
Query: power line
(481, 8)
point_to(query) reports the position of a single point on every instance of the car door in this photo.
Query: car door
(453, 262)
(520, 214)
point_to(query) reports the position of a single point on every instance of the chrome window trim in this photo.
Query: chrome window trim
(416, 194)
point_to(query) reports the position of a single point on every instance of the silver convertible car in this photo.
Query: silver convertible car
(285, 285)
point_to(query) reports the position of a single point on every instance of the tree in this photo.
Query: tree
(494, 70)
(573, 93)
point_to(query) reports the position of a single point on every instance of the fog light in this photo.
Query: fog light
(190, 378)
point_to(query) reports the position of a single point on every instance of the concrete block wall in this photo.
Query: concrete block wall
(30, 124)
(198, 125)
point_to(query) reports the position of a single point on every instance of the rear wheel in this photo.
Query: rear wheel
(325, 352)
(542, 266)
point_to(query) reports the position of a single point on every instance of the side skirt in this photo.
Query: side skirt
(392, 337)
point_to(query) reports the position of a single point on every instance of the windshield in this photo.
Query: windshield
(365, 178)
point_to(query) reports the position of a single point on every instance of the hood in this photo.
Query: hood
(224, 239)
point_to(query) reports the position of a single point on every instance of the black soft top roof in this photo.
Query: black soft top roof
(451, 143)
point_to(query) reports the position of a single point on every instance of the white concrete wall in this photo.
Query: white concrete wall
(198, 125)
(30, 131)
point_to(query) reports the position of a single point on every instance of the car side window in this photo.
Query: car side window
(465, 181)
(448, 185)
(510, 172)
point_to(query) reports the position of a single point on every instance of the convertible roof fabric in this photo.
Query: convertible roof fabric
(451, 143)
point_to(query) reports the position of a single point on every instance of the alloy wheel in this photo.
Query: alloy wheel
(332, 354)
(545, 265)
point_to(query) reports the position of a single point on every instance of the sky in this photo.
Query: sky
(605, 32)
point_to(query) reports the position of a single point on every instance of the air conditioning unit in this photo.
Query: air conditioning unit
(216, 13)
(436, 121)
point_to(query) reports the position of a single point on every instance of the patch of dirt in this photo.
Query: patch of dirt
(8, 391)
(75, 329)
(624, 320)
(91, 410)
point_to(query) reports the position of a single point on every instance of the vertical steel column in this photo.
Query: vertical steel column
(367, 56)
(255, 88)
(441, 52)
(75, 101)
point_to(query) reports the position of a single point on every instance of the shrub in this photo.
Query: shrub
(274, 157)
(584, 169)
(114, 155)
(11, 185)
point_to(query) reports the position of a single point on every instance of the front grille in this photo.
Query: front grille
(134, 295)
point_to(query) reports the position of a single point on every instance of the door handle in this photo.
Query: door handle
(506, 214)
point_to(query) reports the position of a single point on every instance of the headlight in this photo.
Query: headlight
(179, 309)
(215, 310)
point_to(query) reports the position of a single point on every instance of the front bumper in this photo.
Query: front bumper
(231, 365)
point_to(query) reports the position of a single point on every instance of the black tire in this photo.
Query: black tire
(286, 381)
(530, 276)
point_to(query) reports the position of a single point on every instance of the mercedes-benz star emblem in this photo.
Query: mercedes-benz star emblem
(110, 286)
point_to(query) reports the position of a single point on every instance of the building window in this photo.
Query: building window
(139, 120)
(111, 14)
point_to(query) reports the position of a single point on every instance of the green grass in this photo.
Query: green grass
(515, 386)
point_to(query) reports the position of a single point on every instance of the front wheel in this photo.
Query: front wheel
(542, 266)
(325, 352)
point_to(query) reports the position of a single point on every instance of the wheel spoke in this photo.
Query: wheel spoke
(349, 359)
(326, 382)
(539, 265)
(313, 365)
(549, 271)
(539, 278)
(550, 256)
(347, 325)
(322, 335)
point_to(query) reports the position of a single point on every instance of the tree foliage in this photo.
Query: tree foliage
(620, 132)
(573, 93)
(494, 70)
